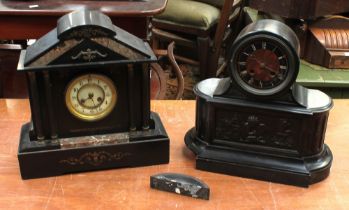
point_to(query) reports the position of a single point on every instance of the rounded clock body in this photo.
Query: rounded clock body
(264, 59)
(90, 97)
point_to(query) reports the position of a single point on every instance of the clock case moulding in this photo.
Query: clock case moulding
(55, 142)
(279, 138)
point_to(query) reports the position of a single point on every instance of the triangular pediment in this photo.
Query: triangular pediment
(100, 49)
(88, 39)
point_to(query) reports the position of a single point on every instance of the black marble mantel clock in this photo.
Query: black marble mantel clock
(259, 123)
(89, 91)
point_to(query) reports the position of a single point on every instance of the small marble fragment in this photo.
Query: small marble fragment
(180, 184)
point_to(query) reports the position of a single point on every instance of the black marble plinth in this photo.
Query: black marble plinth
(280, 140)
(77, 154)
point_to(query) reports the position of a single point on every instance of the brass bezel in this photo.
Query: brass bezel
(86, 117)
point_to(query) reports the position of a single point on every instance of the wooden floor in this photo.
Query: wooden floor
(128, 188)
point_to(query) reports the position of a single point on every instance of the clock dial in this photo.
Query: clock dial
(262, 64)
(264, 59)
(91, 97)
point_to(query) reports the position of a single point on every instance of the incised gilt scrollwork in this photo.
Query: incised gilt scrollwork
(95, 158)
(89, 55)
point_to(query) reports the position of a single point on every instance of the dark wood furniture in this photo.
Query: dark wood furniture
(327, 37)
(305, 9)
(327, 42)
(21, 20)
(12, 84)
(206, 42)
(130, 189)
(32, 19)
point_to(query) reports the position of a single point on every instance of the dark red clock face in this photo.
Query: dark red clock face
(264, 59)
(262, 64)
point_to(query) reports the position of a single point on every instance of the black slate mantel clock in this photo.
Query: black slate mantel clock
(90, 100)
(259, 123)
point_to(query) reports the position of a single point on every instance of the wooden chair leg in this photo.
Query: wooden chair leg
(203, 50)
(155, 42)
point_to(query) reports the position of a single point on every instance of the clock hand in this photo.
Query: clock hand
(270, 70)
(264, 66)
(90, 95)
(256, 59)
(93, 101)
(82, 101)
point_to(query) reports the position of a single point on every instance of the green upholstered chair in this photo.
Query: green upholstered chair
(334, 82)
(196, 24)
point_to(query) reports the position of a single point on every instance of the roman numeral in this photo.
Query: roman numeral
(251, 81)
(283, 67)
(243, 73)
(264, 45)
(253, 47)
(281, 57)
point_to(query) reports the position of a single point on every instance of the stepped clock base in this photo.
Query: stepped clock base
(301, 171)
(77, 154)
